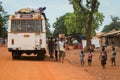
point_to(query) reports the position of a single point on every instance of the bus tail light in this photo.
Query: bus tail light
(40, 41)
(12, 41)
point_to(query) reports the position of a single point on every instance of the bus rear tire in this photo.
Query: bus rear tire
(13, 55)
(41, 55)
(16, 55)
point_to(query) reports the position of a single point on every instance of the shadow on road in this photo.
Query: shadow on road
(35, 58)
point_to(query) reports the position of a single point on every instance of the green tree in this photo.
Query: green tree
(70, 23)
(66, 24)
(81, 15)
(48, 33)
(115, 24)
(87, 16)
(59, 26)
(3, 21)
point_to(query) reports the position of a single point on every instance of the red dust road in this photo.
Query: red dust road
(28, 68)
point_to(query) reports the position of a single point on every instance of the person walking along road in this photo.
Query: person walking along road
(51, 47)
(90, 58)
(103, 57)
(113, 61)
(56, 49)
(82, 58)
(62, 53)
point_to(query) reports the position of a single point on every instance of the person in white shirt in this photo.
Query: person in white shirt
(62, 53)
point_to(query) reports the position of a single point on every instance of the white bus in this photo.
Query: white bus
(27, 34)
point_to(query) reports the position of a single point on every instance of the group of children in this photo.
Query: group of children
(102, 57)
(82, 55)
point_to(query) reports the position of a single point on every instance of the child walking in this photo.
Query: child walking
(82, 58)
(103, 57)
(90, 58)
(113, 62)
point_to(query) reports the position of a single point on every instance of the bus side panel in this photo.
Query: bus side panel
(43, 37)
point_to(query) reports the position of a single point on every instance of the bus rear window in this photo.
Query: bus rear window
(26, 26)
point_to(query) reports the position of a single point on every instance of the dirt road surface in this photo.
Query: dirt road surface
(109, 73)
(29, 68)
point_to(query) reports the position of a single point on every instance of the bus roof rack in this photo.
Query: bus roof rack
(30, 11)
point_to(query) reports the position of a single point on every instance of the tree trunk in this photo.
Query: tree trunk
(89, 28)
